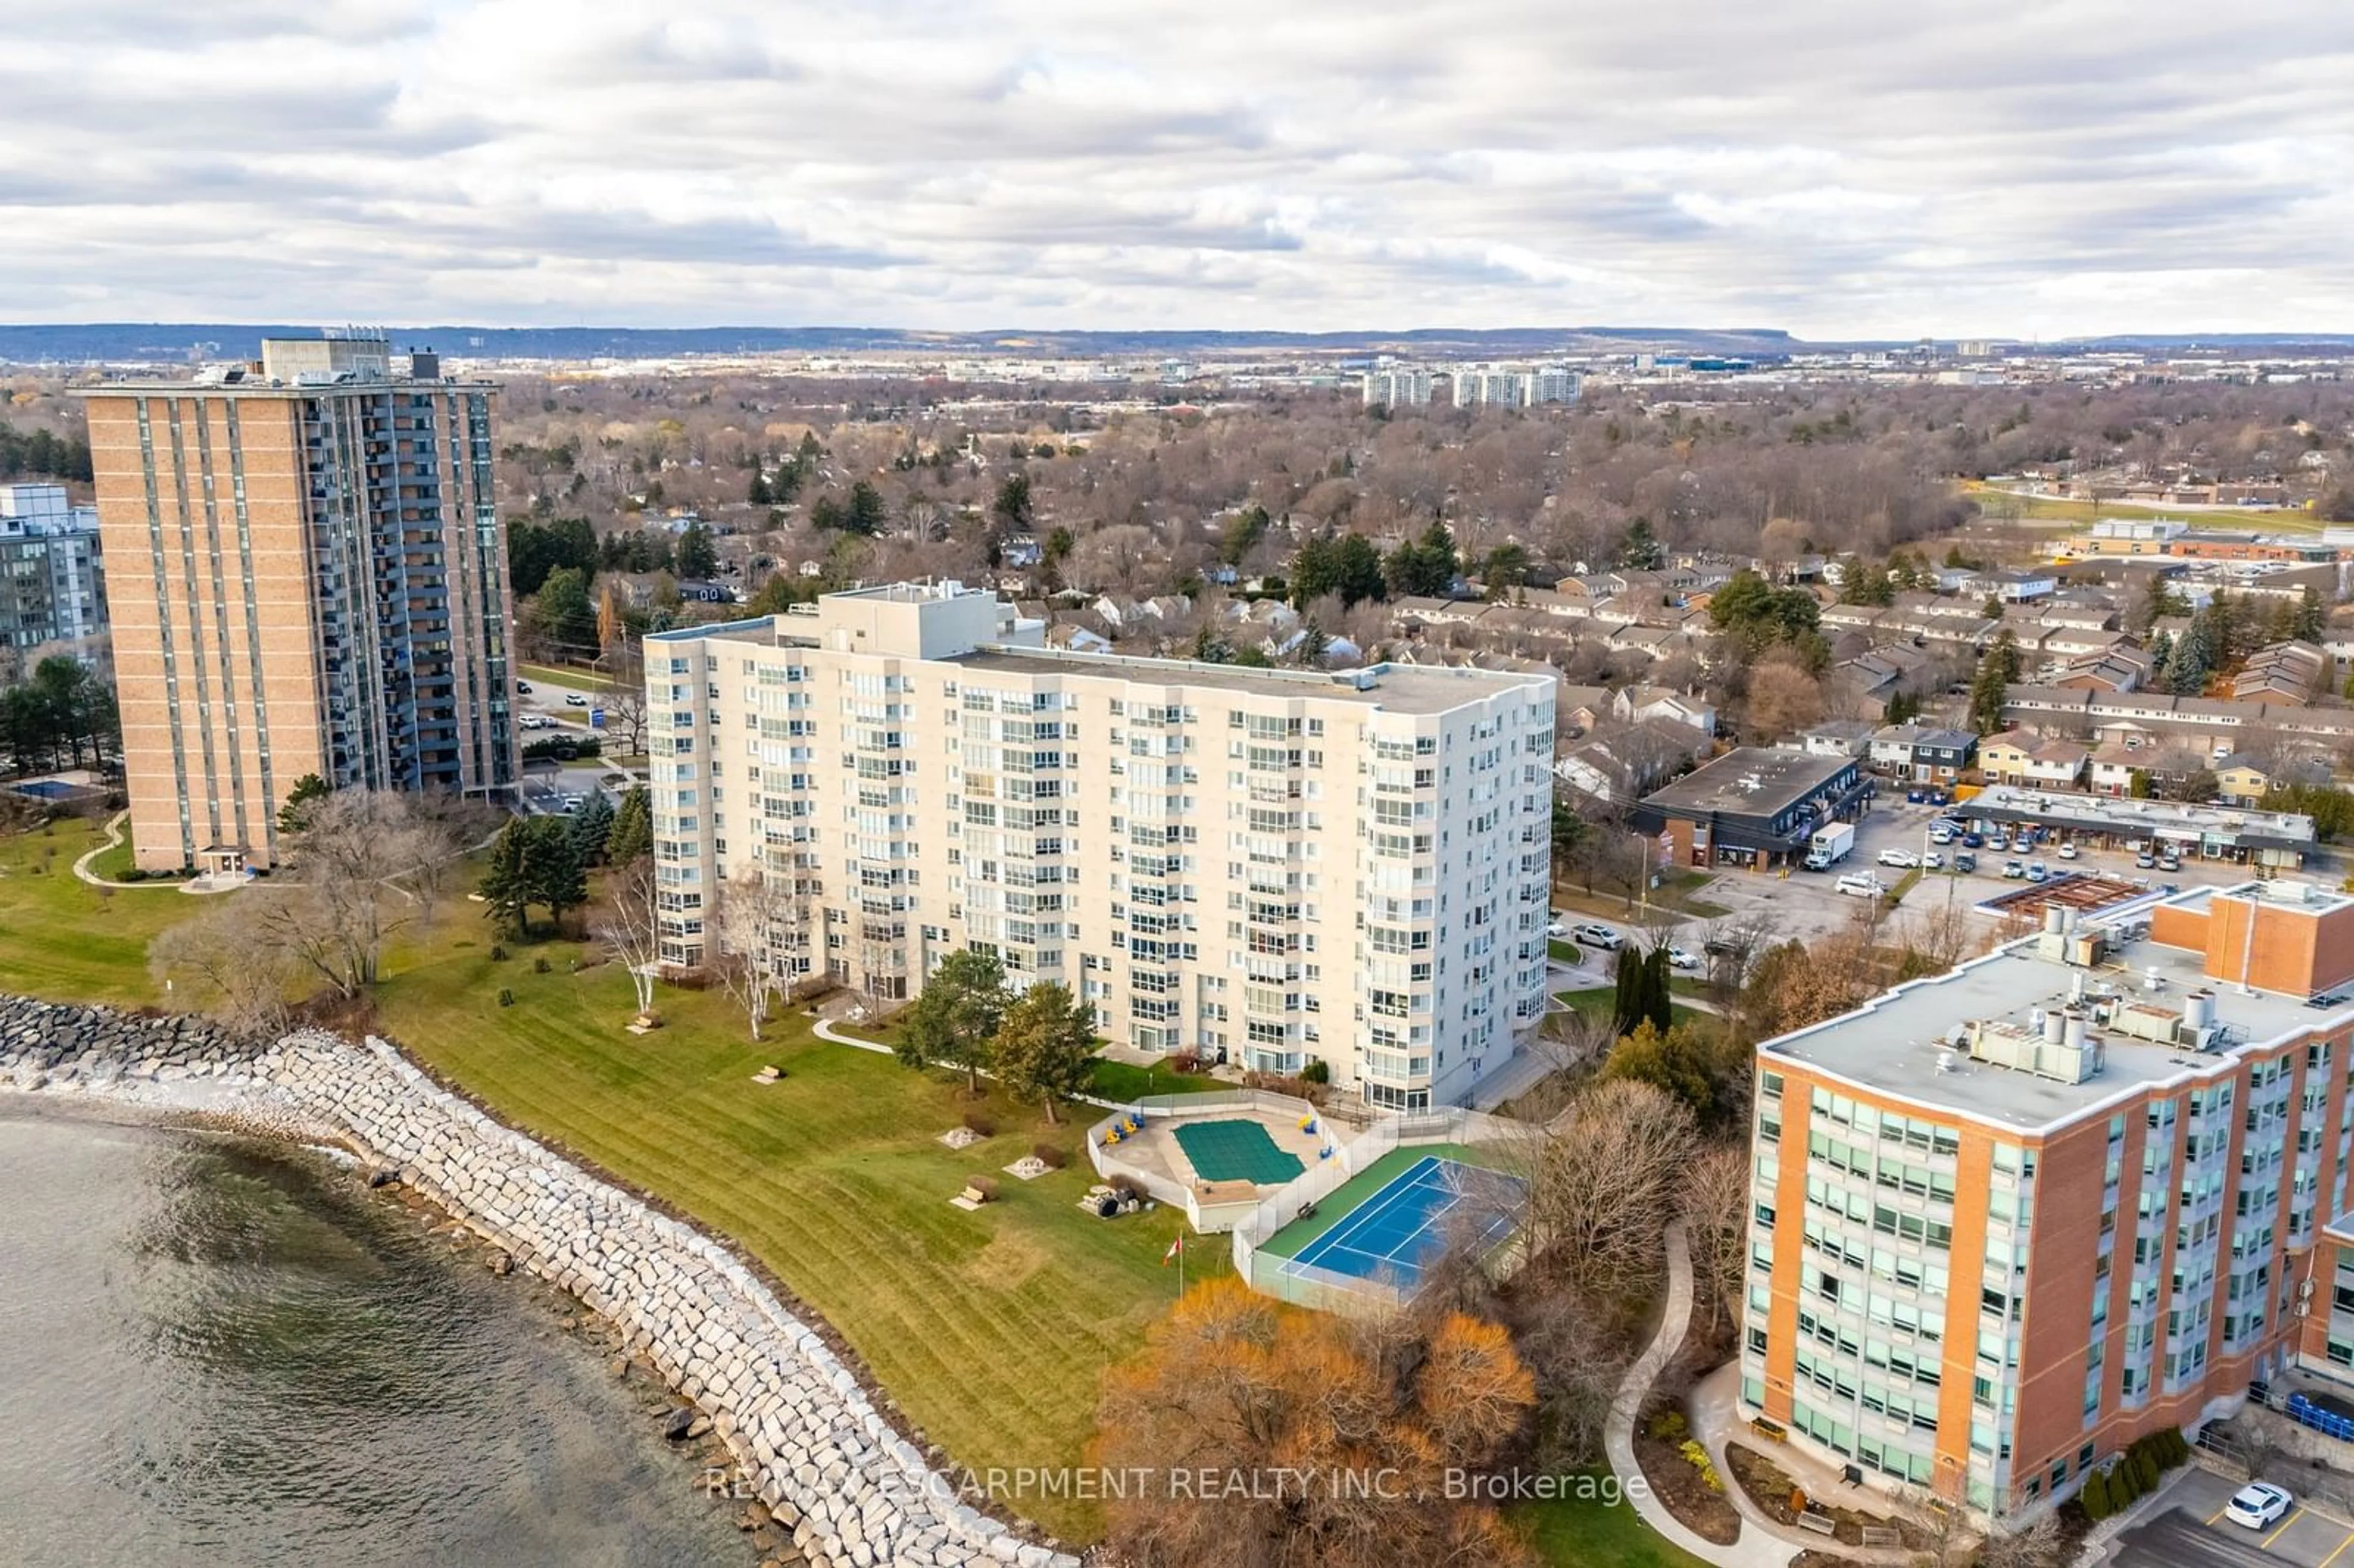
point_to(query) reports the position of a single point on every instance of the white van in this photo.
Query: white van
(1860, 884)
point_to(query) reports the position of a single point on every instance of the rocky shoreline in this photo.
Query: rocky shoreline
(818, 1457)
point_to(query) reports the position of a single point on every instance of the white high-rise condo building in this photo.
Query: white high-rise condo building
(1396, 386)
(1284, 866)
(1513, 386)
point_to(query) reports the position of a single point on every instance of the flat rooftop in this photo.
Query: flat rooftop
(1750, 781)
(1894, 1043)
(1396, 688)
(2007, 802)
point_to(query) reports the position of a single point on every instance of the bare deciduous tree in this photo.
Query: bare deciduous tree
(629, 926)
(1603, 1177)
(229, 965)
(339, 902)
(751, 933)
(1714, 1204)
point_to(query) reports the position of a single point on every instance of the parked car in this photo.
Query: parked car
(1972, 841)
(1860, 884)
(1941, 835)
(1593, 933)
(1933, 861)
(2169, 863)
(524, 687)
(532, 721)
(2145, 860)
(2257, 1505)
(2066, 851)
(2013, 870)
(1556, 928)
(1903, 859)
(1682, 958)
(1965, 860)
(1996, 842)
(575, 700)
(2037, 870)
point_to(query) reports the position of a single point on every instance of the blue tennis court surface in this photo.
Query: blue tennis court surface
(1412, 1217)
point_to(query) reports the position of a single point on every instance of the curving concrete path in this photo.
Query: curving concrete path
(1756, 1548)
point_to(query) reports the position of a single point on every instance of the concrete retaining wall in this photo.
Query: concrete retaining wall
(820, 1453)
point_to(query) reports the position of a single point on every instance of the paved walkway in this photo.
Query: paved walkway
(198, 885)
(1756, 1548)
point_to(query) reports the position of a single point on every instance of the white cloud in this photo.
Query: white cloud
(1839, 167)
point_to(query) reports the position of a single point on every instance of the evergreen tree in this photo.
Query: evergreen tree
(2194, 658)
(294, 813)
(1242, 534)
(1045, 1044)
(1997, 669)
(1506, 569)
(1627, 1007)
(631, 837)
(505, 886)
(565, 610)
(1012, 503)
(954, 1019)
(757, 492)
(2310, 618)
(1639, 549)
(556, 875)
(592, 826)
(868, 516)
(1658, 1006)
(698, 557)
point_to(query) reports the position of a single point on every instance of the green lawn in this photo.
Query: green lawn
(64, 940)
(1574, 1535)
(1125, 1081)
(991, 1329)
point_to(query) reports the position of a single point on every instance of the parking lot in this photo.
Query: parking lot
(2193, 1533)
(1807, 905)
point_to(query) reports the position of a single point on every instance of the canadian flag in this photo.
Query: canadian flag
(1175, 1248)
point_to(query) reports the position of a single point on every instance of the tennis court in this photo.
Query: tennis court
(1414, 1214)
(1236, 1152)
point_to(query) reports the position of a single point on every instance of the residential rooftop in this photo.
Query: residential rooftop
(1916, 1042)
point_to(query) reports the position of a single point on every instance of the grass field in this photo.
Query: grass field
(64, 940)
(578, 680)
(1571, 1534)
(1125, 1081)
(2008, 506)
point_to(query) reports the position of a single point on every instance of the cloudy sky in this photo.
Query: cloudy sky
(1839, 168)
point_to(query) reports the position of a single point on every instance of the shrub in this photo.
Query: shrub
(984, 1185)
(506, 998)
(2144, 1469)
(983, 1125)
(134, 874)
(498, 954)
(1050, 1155)
(1670, 1427)
(1185, 1062)
(1697, 1457)
(539, 965)
(1320, 1071)
(2096, 1497)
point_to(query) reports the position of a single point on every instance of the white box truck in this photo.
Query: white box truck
(1829, 845)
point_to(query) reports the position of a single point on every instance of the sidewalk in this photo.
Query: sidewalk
(1756, 1548)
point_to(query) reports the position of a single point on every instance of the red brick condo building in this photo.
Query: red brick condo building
(2009, 1219)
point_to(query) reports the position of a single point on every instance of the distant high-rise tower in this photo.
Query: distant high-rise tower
(307, 575)
(52, 580)
(1396, 386)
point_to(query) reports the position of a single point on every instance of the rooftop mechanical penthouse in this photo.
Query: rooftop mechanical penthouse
(1287, 866)
(2011, 1218)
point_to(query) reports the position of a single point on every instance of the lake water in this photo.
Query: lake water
(217, 1351)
